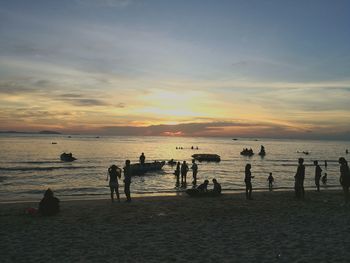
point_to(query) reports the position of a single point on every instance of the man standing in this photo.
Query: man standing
(318, 172)
(127, 180)
(194, 168)
(142, 159)
(184, 170)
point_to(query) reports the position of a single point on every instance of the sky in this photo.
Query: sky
(272, 68)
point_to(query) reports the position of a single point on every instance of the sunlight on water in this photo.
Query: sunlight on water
(30, 164)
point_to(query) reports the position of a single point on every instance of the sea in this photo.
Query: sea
(29, 164)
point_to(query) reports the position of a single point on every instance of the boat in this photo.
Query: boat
(206, 157)
(198, 193)
(54, 143)
(67, 157)
(247, 152)
(138, 169)
(171, 162)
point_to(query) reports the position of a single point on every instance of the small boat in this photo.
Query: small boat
(206, 157)
(138, 169)
(54, 143)
(171, 162)
(247, 152)
(67, 157)
(198, 193)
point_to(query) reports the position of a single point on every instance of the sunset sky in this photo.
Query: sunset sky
(194, 68)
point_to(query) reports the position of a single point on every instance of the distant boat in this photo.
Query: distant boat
(67, 157)
(139, 169)
(54, 143)
(235, 139)
(206, 157)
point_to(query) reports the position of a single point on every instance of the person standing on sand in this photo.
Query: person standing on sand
(194, 168)
(318, 174)
(184, 170)
(248, 182)
(127, 180)
(344, 177)
(299, 180)
(114, 172)
(177, 173)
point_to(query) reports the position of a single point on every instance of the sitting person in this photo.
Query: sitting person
(49, 205)
(217, 187)
(203, 187)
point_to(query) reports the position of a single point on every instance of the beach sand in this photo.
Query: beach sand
(274, 227)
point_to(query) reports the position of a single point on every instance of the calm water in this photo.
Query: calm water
(30, 164)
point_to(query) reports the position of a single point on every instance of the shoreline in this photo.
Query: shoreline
(82, 197)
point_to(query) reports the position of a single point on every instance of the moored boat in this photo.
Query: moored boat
(138, 169)
(206, 157)
(67, 157)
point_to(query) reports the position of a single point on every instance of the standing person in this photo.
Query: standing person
(127, 180)
(194, 168)
(142, 158)
(299, 180)
(325, 164)
(344, 177)
(271, 180)
(318, 174)
(184, 170)
(177, 173)
(114, 172)
(248, 182)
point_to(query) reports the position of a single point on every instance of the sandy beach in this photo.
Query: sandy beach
(274, 227)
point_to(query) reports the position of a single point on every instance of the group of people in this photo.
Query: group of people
(114, 172)
(182, 169)
(204, 186)
(300, 177)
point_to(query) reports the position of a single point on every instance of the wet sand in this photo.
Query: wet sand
(274, 227)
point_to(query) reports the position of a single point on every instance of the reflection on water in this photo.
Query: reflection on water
(29, 164)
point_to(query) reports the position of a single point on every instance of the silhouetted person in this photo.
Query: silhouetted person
(248, 182)
(344, 177)
(114, 172)
(177, 173)
(271, 180)
(217, 187)
(299, 180)
(324, 179)
(346, 151)
(194, 168)
(49, 205)
(127, 180)
(203, 187)
(325, 164)
(142, 158)
(318, 174)
(184, 170)
(192, 147)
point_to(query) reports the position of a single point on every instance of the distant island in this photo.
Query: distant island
(40, 132)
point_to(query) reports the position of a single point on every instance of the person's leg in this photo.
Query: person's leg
(250, 191)
(302, 191)
(128, 197)
(117, 193)
(112, 197)
(246, 190)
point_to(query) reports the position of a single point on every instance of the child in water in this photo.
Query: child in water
(271, 180)
(324, 179)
